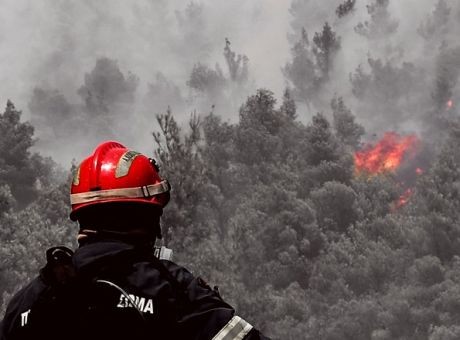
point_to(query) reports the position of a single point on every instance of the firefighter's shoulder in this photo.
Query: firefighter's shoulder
(19, 308)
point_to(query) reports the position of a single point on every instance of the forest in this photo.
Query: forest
(329, 211)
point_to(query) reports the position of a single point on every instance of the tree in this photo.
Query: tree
(381, 25)
(375, 195)
(301, 72)
(7, 200)
(335, 206)
(311, 63)
(181, 164)
(16, 166)
(260, 122)
(447, 75)
(384, 82)
(237, 64)
(438, 202)
(321, 143)
(207, 81)
(445, 333)
(387, 92)
(105, 87)
(327, 44)
(346, 129)
(288, 107)
(345, 8)
(50, 107)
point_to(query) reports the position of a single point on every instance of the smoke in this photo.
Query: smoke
(395, 66)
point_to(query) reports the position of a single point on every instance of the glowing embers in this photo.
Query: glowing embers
(386, 155)
(404, 198)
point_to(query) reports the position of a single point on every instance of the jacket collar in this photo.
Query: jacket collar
(91, 257)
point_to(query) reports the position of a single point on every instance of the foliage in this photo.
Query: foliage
(206, 80)
(345, 8)
(269, 207)
(237, 64)
(22, 171)
(51, 105)
(211, 87)
(107, 95)
(347, 130)
(447, 75)
(326, 45)
(381, 24)
(389, 92)
(271, 210)
(302, 71)
(312, 62)
(106, 85)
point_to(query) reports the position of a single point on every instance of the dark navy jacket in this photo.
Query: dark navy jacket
(98, 304)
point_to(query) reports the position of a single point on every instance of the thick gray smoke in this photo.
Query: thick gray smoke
(87, 71)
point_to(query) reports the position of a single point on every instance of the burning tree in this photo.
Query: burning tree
(387, 155)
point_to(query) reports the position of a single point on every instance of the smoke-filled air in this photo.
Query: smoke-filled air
(312, 147)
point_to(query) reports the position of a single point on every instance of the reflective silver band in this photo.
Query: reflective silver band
(125, 162)
(137, 192)
(235, 329)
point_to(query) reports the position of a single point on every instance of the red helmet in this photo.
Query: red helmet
(115, 174)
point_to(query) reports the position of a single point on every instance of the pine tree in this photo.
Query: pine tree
(322, 145)
(326, 46)
(346, 129)
(302, 72)
(288, 106)
(105, 86)
(51, 108)
(345, 8)
(381, 25)
(16, 139)
(237, 64)
(312, 63)
(206, 81)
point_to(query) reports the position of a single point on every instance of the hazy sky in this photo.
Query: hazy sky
(51, 44)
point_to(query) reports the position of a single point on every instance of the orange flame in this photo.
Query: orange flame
(404, 198)
(386, 155)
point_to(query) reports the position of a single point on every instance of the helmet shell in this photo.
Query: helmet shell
(113, 166)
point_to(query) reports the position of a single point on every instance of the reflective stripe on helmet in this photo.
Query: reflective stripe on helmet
(235, 329)
(138, 192)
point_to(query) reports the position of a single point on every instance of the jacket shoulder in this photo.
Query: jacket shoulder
(21, 304)
(209, 315)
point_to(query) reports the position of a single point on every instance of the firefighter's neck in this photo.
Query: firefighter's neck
(135, 236)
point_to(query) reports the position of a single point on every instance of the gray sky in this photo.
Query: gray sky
(51, 44)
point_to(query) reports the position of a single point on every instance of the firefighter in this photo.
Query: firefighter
(114, 286)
